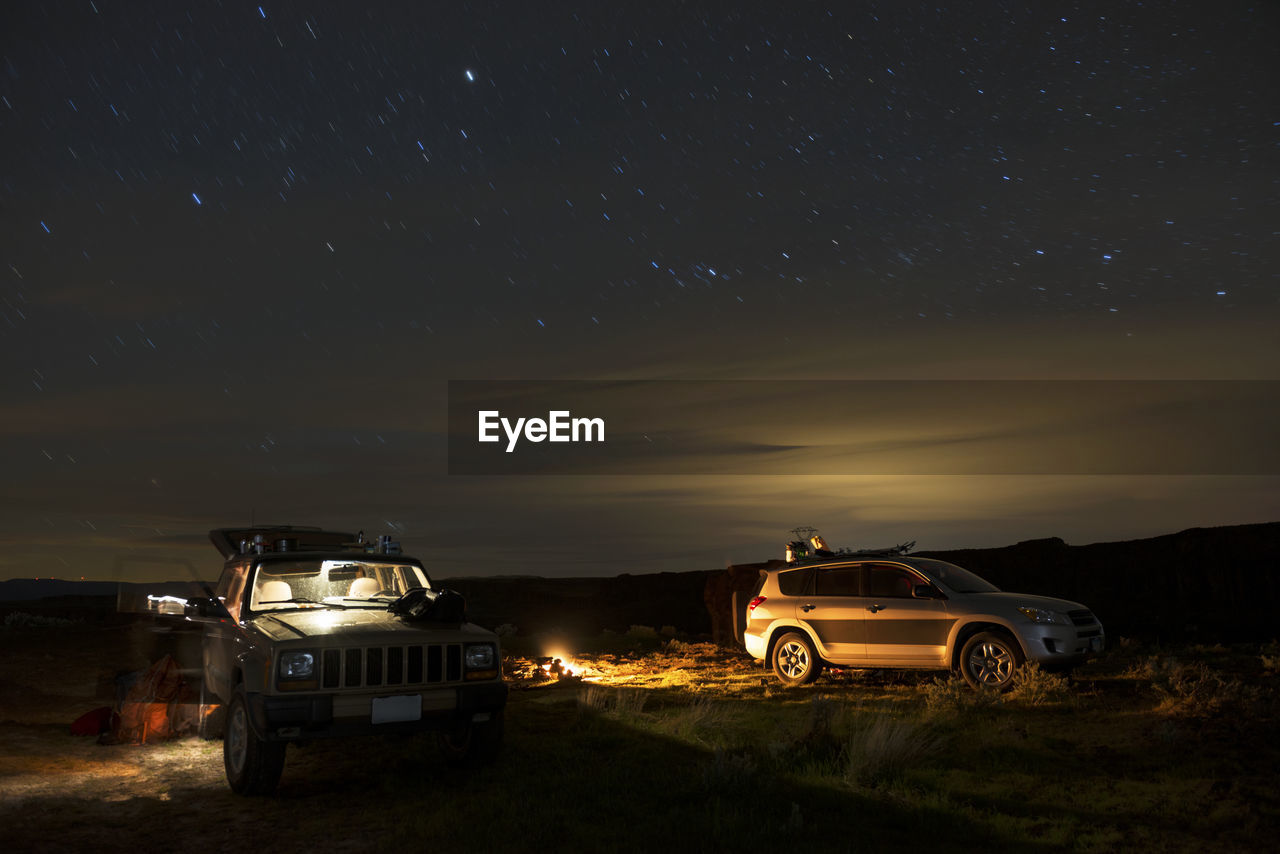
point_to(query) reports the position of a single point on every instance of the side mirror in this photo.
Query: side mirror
(209, 608)
(925, 591)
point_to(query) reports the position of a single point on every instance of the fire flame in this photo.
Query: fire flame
(558, 664)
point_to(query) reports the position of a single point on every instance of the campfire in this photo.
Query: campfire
(556, 665)
(559, 665)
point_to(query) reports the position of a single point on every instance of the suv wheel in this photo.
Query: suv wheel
(472, 742)
(989, 660)
(253, 765)
(794, 660)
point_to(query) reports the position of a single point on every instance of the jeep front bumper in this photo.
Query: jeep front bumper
(311, 716)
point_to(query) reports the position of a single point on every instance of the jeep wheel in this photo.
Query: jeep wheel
(989, 660)
(794, 660)
(253, 765)
(472, 742)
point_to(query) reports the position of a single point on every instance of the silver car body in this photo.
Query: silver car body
(855, 618)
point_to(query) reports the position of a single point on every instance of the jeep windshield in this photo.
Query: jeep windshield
(955, 578)
(328, 583)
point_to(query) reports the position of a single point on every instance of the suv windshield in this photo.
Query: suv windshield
(334, 583)
(954, 577)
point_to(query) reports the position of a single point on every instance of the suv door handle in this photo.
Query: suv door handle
(874, 608)
(807, 608)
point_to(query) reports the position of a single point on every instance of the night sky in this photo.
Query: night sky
(246, 247)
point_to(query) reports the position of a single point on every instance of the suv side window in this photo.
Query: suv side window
(893, 582)
(793, 582)
(839, 581)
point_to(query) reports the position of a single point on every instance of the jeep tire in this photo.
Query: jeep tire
(253, 764)
(472, 742)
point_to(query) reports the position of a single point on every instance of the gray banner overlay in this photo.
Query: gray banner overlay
(868, 427)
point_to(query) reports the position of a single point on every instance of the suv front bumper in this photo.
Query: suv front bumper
(1056, 647)
(302, 717)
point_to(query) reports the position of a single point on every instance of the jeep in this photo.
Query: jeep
(319, 634)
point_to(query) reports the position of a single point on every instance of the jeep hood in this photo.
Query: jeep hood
(357, 624)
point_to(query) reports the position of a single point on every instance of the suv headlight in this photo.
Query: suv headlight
(479, 656)
(1044, 615)
(297, 665)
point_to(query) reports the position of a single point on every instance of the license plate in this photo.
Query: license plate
(388, 710)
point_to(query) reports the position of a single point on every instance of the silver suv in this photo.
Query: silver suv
(893, 611)
(319, 634)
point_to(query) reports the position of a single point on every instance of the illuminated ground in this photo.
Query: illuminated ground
(659, 744)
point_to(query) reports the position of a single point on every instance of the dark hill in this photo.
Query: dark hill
(1203, 583)
(587, 606)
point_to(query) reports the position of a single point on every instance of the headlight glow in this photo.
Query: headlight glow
(296, 665)
(479, 656)
(1044, 615)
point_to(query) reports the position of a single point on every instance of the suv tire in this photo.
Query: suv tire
(990, 660)
(472, 742)
(253, 765)
(794, 660)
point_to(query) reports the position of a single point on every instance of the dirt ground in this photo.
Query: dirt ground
(588, 761)
(60, 792)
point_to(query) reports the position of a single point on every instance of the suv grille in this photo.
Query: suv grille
(376, 666)
(1082, 618)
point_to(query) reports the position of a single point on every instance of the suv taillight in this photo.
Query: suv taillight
(754, 602)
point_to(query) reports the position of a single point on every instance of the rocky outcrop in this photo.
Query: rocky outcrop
(718, 596)
(587, 606)
(1203, 583)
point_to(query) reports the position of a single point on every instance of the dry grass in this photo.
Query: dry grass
(1035, 686)
(952, 694)
(622, 702)
(882, 747)
(1171, 753)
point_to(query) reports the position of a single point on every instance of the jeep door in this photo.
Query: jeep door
(901, 629)
(834, 613)
(221, 639)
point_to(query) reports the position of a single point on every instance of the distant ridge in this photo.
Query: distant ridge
(1198, 584)
(30, 589)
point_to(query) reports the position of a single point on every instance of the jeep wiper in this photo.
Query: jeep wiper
(302, 600)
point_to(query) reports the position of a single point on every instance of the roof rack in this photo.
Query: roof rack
(809, 546)
(282, 538)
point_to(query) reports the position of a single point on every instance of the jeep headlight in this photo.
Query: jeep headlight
(297, 665)
(1044, 615)
(479, 656)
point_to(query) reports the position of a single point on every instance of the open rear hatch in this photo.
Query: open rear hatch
(279, 538)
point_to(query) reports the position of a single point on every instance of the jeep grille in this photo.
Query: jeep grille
(376, 666)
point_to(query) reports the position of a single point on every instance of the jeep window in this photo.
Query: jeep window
(230, 588)
(840, 581)
(793, 582)
(332, 583)
(893, 582)
(956, 578)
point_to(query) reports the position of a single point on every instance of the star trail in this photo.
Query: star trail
(247, 245)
